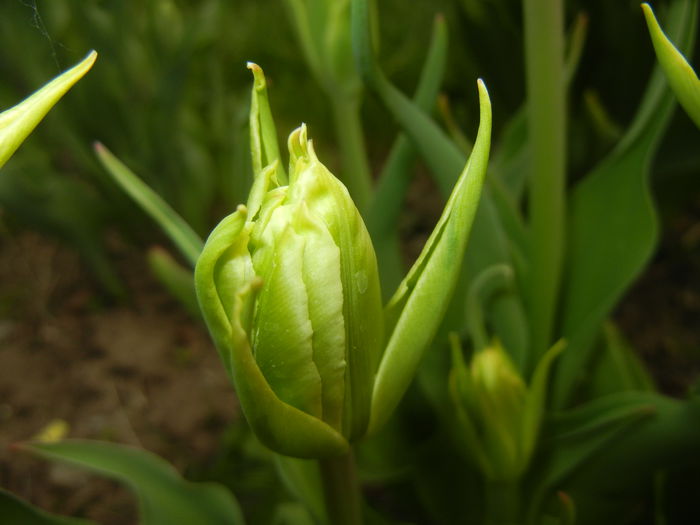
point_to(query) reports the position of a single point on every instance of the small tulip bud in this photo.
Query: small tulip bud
(498, 414)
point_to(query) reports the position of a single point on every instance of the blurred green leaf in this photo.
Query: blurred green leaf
(572, 438)
(163, 496)
(386, 204)
(613, 223)
(488, 244)
(184, 237)
(177, 279)
(14, 511)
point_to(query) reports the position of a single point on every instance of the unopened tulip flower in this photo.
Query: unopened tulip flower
(289, 288)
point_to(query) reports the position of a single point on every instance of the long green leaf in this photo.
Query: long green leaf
(613, 224)
(163, 496)
(182, 235)
(417, 308)
(488, 244)
(386, 203)
(18, 122)
(14, 511)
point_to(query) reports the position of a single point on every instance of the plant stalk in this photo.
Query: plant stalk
(502, 503)
(546, 103)
(341, 490)
(355, 171)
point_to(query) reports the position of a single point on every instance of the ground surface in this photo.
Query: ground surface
(140, 373)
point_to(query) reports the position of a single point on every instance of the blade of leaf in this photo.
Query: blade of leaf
(417, 308)
(164, 497)
(179, 281)
(182, 235)
(571, 439)
(386, 204)
(680, 75)
(488, 244)
(18, 122)
(15, 511)
(613, 224)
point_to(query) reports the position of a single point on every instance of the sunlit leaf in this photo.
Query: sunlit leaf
(18, 122)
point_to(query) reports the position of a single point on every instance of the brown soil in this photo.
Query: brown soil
(141, 373)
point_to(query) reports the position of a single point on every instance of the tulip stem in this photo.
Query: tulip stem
(502, 503)
(546, 102)
(341, 490)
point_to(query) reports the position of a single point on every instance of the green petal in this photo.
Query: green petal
(321, 274)
(18, 122)
(282, 341)
(330, 201)
(263, 133)
(280, 426)
(208, 295)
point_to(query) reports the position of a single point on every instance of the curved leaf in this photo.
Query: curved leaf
(163, 496)
(182, 235)
(14, 511)
(18, 122)
(417, 308)
(613, 223)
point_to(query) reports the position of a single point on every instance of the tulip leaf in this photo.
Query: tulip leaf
(417, 308)
(572, 438)
(680, 75)
(15, 511)
(386, 203)
(177, 279)
(18, 122)
(163, 495)
(613, 223)
(182, 235)
(488, 244)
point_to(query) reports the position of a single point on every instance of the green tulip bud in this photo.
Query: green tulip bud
(498, 414)
(289, 287)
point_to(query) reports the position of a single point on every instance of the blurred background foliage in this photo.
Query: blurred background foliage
(170, 91)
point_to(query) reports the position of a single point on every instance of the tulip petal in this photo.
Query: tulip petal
(280, 426)
(282, 340)
(210, 301)
(263, 133)
(321, 274)
(329, 200)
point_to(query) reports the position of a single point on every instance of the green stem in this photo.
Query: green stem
(341, 490)
(355, 171)
(544, 57)
(502, 503)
